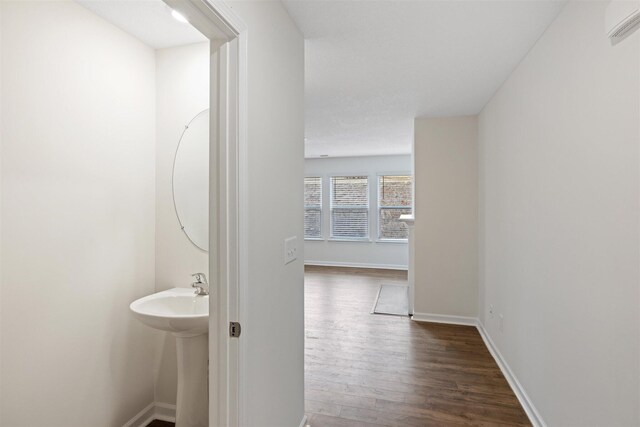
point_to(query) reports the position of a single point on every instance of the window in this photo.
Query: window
(350, 207)
(394, 199)
(313, 207)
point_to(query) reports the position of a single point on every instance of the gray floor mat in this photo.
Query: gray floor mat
(392, 299)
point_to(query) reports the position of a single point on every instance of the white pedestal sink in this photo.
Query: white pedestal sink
(186, 315)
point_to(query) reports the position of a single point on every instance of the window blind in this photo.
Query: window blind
(350, 207)
(313, 207)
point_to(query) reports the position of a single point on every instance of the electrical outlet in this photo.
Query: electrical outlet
(501, 323)
(290, 249)
(491, 310)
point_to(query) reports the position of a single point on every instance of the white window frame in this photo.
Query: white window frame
(321, 206)
(368, 207)
(378, 207)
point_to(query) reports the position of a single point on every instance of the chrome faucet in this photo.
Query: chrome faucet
(201, 279)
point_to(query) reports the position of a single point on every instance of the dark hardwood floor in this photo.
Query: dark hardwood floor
(367, 370)
(375, 370)
(158, 423)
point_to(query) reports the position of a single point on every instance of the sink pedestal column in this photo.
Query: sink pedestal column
(192, 406)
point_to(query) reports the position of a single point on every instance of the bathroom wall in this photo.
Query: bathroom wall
(559, 173)
(374, 253)
(78, 217)
(182, 91)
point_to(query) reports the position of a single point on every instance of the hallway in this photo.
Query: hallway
(363, 369)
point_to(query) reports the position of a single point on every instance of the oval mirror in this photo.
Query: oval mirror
(191, 180)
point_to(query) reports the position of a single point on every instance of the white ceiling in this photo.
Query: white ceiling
(148, 20)
(372, 66)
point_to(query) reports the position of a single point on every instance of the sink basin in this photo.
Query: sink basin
(186, 315)
(176, 310)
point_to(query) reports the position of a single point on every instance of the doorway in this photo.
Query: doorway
(227, 178)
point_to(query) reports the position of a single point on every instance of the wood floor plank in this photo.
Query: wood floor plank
(355, 390)
(320, 420)
(376, 370)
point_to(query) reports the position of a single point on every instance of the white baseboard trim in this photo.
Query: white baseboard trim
(444, 318)
(143, 417)
(165, 412)
(303, 423)
(356, 265)
(153, 411)
(528, 406)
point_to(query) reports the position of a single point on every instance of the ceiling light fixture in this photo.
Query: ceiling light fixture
(178, 16)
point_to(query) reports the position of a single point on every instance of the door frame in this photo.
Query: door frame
(228, 220)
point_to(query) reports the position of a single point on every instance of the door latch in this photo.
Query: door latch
(234, 329)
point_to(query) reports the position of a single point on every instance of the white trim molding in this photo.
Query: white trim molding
(143, 417)
(228, 222)
(165, 412)
(153, 411)
(410, 221)
(524, 399)
(356, 265)
(444, 318)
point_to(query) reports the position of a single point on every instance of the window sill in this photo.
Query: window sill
(364, 240)
(320, 239)
(401, 241)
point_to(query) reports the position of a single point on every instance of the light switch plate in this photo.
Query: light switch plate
(290, 249)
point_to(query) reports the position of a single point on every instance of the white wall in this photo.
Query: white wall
(446, 216)
(272, 330)
(559, 171)
(78, 217)
(1, 139)
(375, 253)
(182, 84)
(182, 91)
